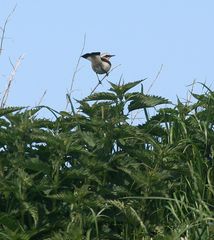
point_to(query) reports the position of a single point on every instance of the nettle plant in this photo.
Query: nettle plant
(93, 174)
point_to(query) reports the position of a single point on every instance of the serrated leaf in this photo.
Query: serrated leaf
(4, 111)
(114, 86)
(84, 106)
(32, 211)
(128, 86)
(101, 96)
(65, 114)
(88, 138)
(37, 165)
(200, 97)
(131, 96)
(8, 220)
(121, 89)
(146, 101)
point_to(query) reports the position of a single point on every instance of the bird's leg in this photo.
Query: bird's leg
(100, 82)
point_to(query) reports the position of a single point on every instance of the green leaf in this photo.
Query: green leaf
(8, 220)
(199, 97)
(146, 101)
(121, 89)
(4, 111)
(101, 96)
(32, 210)
(88, 138)
(125, 87)
(37, 165)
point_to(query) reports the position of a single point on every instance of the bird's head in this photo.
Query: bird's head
(106, 56)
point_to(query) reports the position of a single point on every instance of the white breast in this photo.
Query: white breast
(101, 67)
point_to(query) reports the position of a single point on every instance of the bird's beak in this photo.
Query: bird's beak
(111, 55)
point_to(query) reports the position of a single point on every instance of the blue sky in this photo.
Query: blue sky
(142, 34)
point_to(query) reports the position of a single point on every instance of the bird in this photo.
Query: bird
(99, 62)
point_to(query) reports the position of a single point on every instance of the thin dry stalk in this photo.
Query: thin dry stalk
(42, 98)
(76, 71)
(100, 81)
(191, 91)
(153, 82)
(10, 80)
(157, 76)
(3, 29)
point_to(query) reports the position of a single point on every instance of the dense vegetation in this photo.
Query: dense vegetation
(92, 174)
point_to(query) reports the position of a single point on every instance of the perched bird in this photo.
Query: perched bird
(100, 62)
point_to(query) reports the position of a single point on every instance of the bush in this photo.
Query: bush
(92, 174)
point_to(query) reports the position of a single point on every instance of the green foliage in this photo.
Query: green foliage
(140, 100)
(90, 174)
